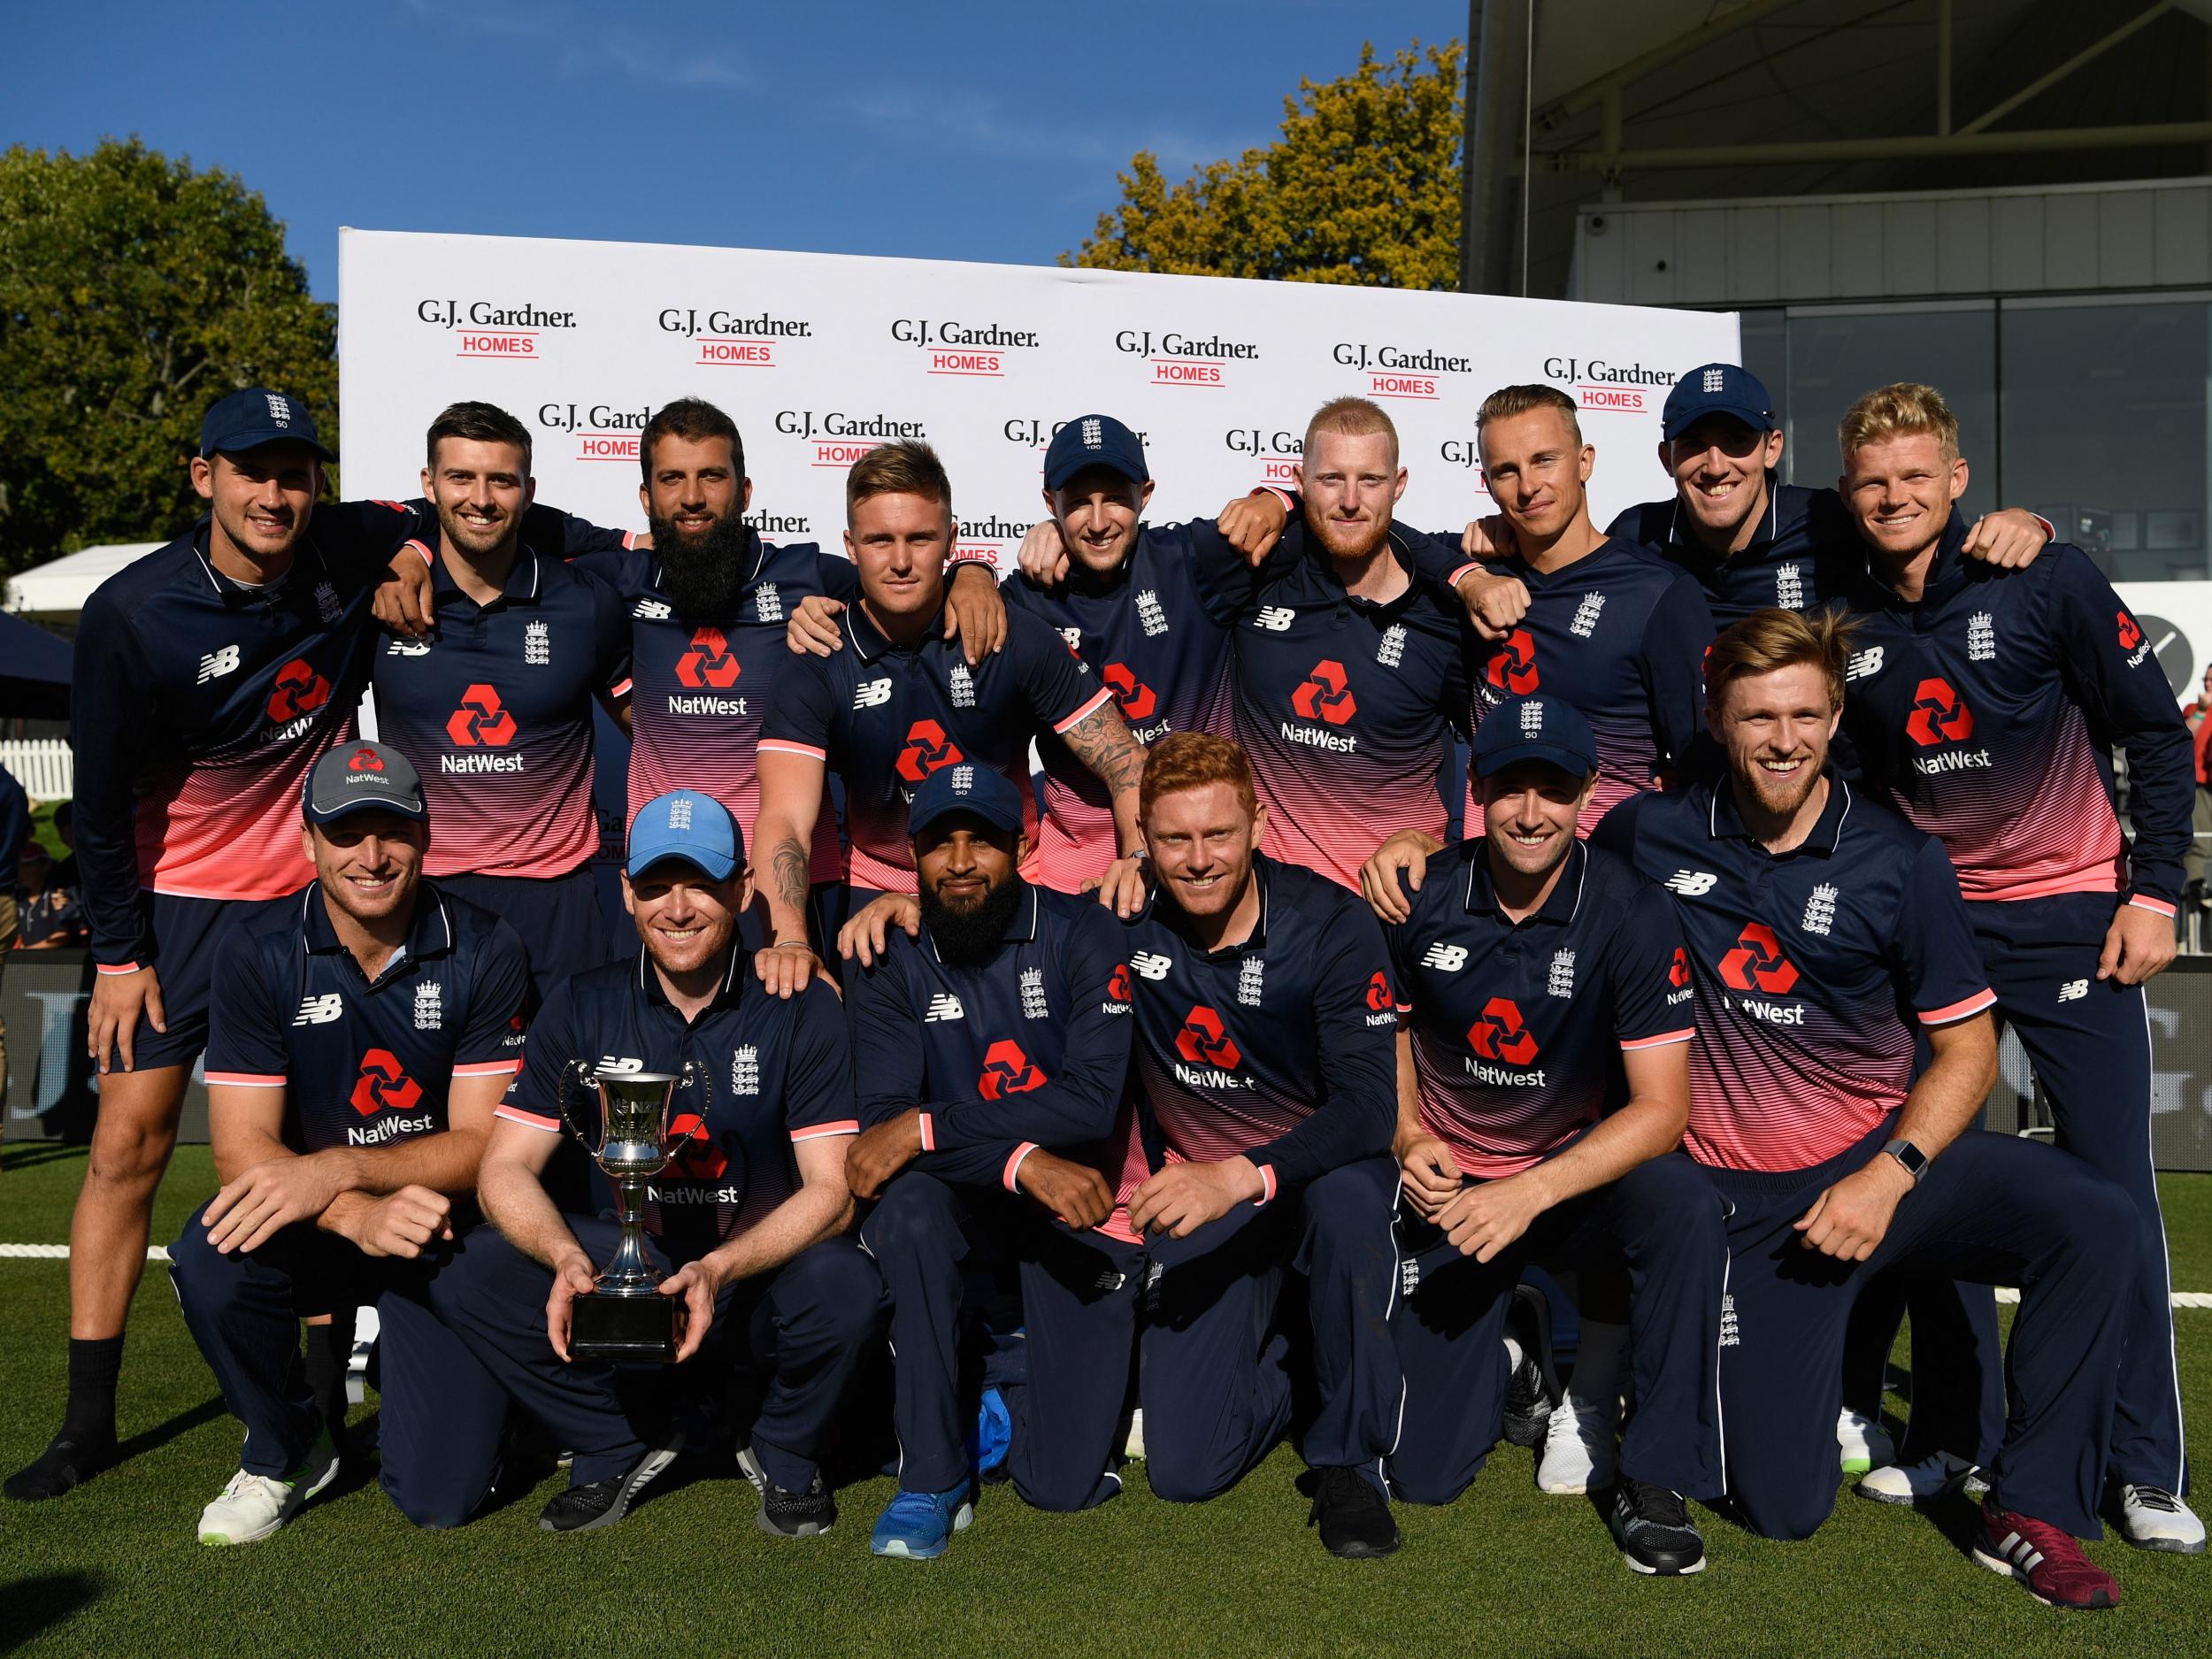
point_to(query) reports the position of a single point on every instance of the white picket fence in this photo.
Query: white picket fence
(44, 765)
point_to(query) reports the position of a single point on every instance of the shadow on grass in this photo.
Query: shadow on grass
(162, 1433)
(28, 1606)
(30, 1154)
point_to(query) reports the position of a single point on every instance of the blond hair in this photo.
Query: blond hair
(905, 467)
(1903, 410)
(1767, 642)
(1508, 401)
(1352, 418)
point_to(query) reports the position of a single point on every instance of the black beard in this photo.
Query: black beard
(703, 576)
(962, 937)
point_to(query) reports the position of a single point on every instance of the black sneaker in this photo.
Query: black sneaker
(1652, 1526)
(1534, 1389)
(71, 1458)
(604, 1503)
(787, 1513)
(1354, 1517)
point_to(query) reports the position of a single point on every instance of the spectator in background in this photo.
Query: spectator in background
(64, 873)
(47, 913)
(15, 831)
(2201, 823)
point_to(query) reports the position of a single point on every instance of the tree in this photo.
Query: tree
(1362, 187)
(134, 292)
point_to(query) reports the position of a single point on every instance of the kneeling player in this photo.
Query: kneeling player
(1526, 959)
(359, 1039)
(994, 1044)
(1826, 936)
(748, 1215)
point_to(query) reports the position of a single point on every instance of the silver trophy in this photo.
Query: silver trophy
(624, 1317)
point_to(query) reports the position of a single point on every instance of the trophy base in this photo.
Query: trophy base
(631, 1329)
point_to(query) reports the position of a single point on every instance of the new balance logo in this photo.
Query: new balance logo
(872, 693)
(1149, 966)
(1447, 958)
(215, 665)
(1864, 663)
(319, 1010)
(2073, 990)
(652, 611)
(943, 1006)
(1691, 884)
(401, 647)
(1275, 618)
(619, 1065)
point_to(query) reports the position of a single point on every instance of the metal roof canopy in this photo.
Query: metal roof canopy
(1694, 100)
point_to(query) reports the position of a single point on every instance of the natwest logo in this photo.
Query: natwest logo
(1007, 1071)
(693, 1155)
(1513, 666)
(1757, 964)
(1939, 715)
(1499, 1033)
(1326, 694)
(481, 720)
(1678, 969)
(298, 690)
(708, 661)
(927, 747)
(487, 329)
(384, 1085)
(1136, 698)
(1204, 1041)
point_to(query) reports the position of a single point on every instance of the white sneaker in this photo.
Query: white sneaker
(253, 1506)
(1580, 1444)
(1935, 1476)
(2152, 1517)
(1863, 1442)
(1133, 1445)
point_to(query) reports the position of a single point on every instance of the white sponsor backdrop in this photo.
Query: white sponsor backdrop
(2177, 619)
(817, 355)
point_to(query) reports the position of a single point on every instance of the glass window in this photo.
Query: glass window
(1835, 355)
(2104, 429)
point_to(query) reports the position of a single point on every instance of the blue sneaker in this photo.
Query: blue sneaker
(917, 1525)
(994, 1432)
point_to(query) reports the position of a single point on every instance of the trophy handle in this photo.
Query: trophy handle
(578, 1072)
(692, 1073)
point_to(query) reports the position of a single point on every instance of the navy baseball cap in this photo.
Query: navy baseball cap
(686, 825)
(965, 787)
(1094, 441)
(247, 419)
(1536, 728)
(1717, 389)
(359, 777)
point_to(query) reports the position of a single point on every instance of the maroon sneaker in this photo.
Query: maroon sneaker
(2042, 1557)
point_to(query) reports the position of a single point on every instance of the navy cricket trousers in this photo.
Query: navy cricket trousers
(806, 1326)
(1204, 1314)
(1665, 1221)
(1992, 1210)
(440, 1412)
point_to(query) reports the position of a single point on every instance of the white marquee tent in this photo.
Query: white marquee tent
(59, 588)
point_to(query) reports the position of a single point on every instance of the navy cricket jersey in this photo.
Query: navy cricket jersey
(1812, 969)
(1518, 1028)
(1146, 633)
(883, 717)
(1026, 1049)
(1622, 637)
(773, 1073)
(1346, 707)
(494, 710)
(1802, 556)
(201, 704)
(701, 688)
(1988, 710)
(1283, 1048)
(367, 1061)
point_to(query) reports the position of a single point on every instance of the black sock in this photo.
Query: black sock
(329, 1351)
(93, 1365)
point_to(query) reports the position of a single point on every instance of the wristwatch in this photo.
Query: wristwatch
(1914, 1161)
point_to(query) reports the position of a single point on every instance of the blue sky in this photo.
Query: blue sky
(953, 131)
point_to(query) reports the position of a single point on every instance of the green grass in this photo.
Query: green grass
(113, 1568)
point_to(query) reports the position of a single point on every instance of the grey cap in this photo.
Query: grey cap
(359, 777)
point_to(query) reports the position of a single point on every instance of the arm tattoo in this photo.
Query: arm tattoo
(1101, 741)
(788, 868)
